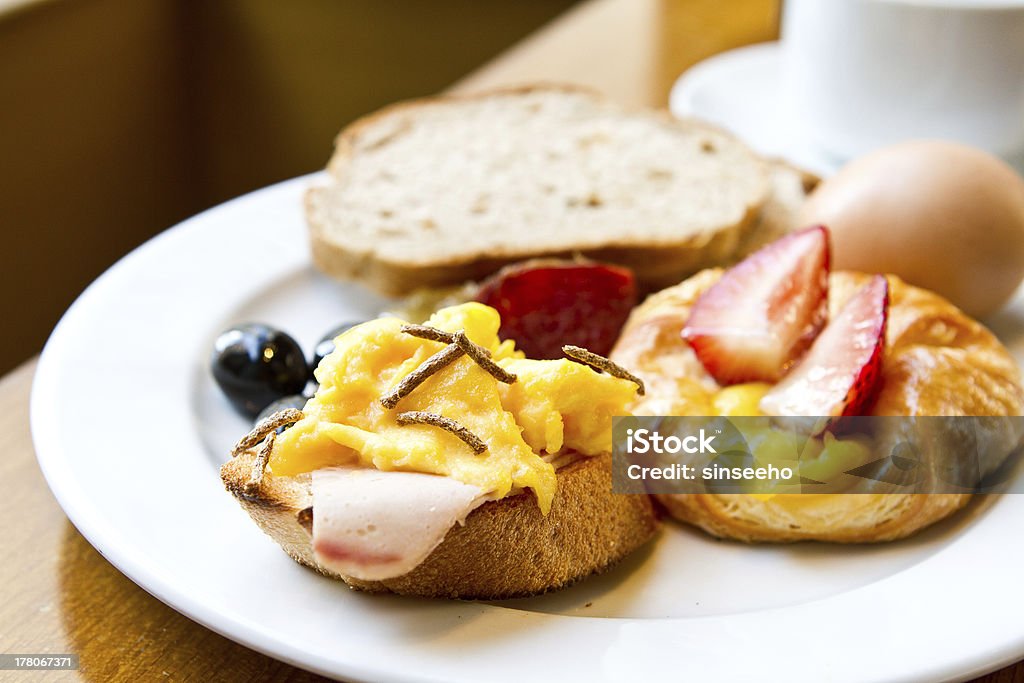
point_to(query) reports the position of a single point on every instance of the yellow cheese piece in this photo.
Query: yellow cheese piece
(555, 405)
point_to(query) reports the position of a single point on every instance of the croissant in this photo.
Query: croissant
(936, 361)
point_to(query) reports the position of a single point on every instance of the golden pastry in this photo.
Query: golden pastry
(935, 360)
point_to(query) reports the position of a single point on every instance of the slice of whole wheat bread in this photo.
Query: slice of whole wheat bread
(434, 192)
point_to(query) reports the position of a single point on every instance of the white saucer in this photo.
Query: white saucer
(740, 90)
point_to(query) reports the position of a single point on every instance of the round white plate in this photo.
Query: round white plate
(130, 429)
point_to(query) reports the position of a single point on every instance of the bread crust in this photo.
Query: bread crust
(656, 263)
(506, 548)
(936, 361)
(790, 186)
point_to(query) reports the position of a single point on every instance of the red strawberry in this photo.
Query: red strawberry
(839, 376)
(547, 303)
(764, 311)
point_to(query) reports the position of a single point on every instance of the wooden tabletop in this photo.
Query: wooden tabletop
(61, 596)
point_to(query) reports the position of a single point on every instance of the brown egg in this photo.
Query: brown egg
(941, 215)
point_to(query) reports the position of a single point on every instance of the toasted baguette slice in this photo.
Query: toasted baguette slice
(506, 548)
(439, 191)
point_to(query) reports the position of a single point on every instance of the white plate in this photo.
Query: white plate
(129, 430)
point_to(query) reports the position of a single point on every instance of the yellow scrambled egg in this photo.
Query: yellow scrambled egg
(554, 406)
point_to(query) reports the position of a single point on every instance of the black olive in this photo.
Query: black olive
(325, 346)
(297, 401)
(255, 365)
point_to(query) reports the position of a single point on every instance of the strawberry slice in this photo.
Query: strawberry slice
(765, 311)
(547, 303)
(839, 376)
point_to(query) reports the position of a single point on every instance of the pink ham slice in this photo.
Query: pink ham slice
(373, 525)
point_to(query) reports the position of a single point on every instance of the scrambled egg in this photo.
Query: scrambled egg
(554, 406)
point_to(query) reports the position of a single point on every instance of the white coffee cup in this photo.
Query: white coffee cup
(859, 74)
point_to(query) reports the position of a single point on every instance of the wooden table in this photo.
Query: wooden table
(61, 596)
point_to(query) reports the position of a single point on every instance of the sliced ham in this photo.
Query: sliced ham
(375, 525)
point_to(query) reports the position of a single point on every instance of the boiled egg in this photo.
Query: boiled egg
(940, 215)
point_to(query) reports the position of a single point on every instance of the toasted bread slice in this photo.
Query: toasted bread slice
(438, 191)
(506, 548)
